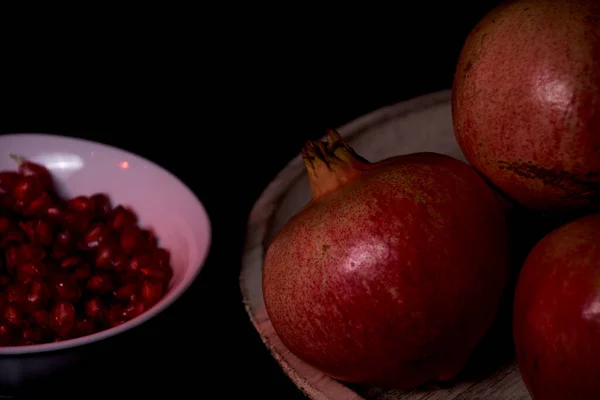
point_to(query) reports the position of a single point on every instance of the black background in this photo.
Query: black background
(222, 101)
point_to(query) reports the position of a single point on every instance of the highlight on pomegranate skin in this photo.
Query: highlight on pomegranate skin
(70, 267)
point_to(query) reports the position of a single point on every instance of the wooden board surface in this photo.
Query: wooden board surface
(421, 124)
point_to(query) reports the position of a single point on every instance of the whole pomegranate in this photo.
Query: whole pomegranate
(394, 270)
(557, 313)
(526, 102)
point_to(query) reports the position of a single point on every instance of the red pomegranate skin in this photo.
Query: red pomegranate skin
(392, 273)
(526, 102)
(557, 314)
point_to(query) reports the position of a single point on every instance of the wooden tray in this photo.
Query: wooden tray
(420, 124)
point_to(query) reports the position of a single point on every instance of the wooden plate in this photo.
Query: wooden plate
(420, 124)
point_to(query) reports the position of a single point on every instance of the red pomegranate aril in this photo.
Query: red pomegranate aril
(64, 237)
(122, 217)
(17, 293)
(62, 318)
(130, 239)
(82, 272)
(12, 315)
(80, 204)
(13, 237)
(115, 315)
(8, 180)
(158, 273)
(127, 292)
(94, 308)
(30, 271)
(38, 207)
(55, 214)
(93, 237)
(133, 309)
(31, 252)
(11, 257)
(100, 283)
(104, 256)
(71, 262)
(59, 251)
(38, 295)
(34, 170)
(5, 280)
(102, 206)
(151, 292)
(76, 222)
(162, 257)
(4, 224)
(5, 335)
(27, 189)
(138, 262)
(41, 318)
(32, 335)
(83, 327)
(66, 287)
(43, 233)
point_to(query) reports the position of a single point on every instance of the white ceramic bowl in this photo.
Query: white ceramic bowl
(161, 201)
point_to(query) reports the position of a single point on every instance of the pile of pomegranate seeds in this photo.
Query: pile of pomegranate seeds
(69, 268)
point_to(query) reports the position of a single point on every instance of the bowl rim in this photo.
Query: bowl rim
(173, 295)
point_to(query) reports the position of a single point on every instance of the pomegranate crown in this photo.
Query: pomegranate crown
(331, 163)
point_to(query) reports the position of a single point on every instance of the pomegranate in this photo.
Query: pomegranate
(526, 102)
(557, 313)
(70, 267)
(393, 272)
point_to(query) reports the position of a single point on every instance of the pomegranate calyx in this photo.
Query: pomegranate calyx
(20, 160)
(331, 164)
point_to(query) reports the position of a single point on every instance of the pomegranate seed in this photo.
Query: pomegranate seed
(119, 262)
(102, 205)
(55, 214)
(94, 308)
(4, 224)
(93, 237)
(30, 271)
(5, 335)
(32, 335)
(59, 251)
(66, 287)
(133, 309)
(13, 237)
(104, 256)
(43, 233)
(12, 315)
(138, 262)
(64, 237)
(162, 257)
(5, 280)
(37, 171)
(130, 238)
(17, 293)
(27, 189)
(80, 204)
(70, 262)
(62, 317)
(100, 283)
(82, 272)
(31, 252)
(8, 180)
(41, 318)
(151, 292)
(38, 295)
(39, 207)
(158, 273)
(12, 258)
(127, 291)
(76, 222)
(122, 217)
(83, 327)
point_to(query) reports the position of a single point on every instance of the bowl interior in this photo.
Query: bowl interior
(161, 201)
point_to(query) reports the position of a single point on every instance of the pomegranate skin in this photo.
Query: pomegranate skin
(557, 314)
(393, 272)
(526, 102)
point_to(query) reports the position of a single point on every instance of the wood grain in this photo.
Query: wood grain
(421, 124)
